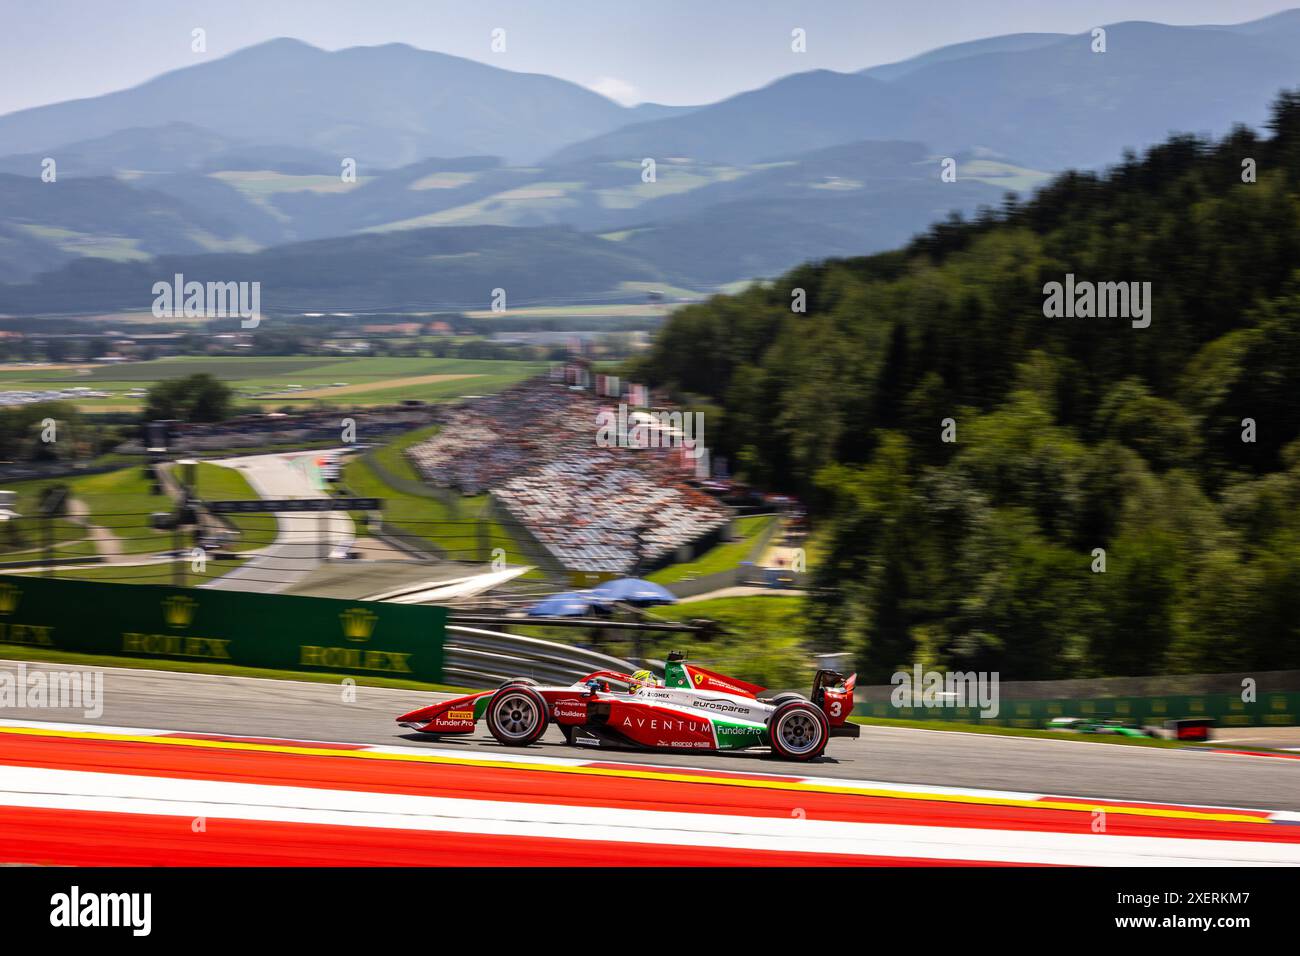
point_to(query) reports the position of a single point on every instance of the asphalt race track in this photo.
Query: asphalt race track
(296, 551)
(309, 711)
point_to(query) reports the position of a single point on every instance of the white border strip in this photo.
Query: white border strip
(96, 792)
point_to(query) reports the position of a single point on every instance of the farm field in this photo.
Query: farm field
(274, 381)
(645, 310)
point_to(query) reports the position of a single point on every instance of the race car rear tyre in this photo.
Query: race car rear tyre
(516, 715)
(527, 681)
(780, 699)
(798, 730)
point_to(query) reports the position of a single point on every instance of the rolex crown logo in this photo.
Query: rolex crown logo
(9, 595)
(178, 610)
(358, 623)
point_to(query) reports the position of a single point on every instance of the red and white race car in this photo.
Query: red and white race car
(690, 709)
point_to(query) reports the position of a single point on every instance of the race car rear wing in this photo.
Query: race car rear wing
(833, 693)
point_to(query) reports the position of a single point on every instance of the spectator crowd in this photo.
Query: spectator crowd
(595, 509)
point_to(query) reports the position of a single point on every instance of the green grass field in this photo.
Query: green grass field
(120, 502)
(392, 457)
(273, 381)
(150, 573)
(218, 483)
(24, 538)
(1004, 175)
(615, 310)
(724, 557)
(261, 183)
(459, 528)
(114, 248)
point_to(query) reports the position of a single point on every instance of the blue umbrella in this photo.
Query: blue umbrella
(570, 604)
(635, 591)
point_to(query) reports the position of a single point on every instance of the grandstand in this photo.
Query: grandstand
(595, 509)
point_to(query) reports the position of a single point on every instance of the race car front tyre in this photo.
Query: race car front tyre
(516, 715)
(798, 730)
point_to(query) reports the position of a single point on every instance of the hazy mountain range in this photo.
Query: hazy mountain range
(243, 155)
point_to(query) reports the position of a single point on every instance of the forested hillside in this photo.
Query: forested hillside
(1072, 434)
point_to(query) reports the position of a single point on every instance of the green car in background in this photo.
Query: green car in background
(1089, 725)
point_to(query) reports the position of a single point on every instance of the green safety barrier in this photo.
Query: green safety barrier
(1270, 709)
(229, 627)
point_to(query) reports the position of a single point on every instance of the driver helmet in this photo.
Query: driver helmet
(643, 678)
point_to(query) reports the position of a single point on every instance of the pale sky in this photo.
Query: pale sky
(667, 51)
